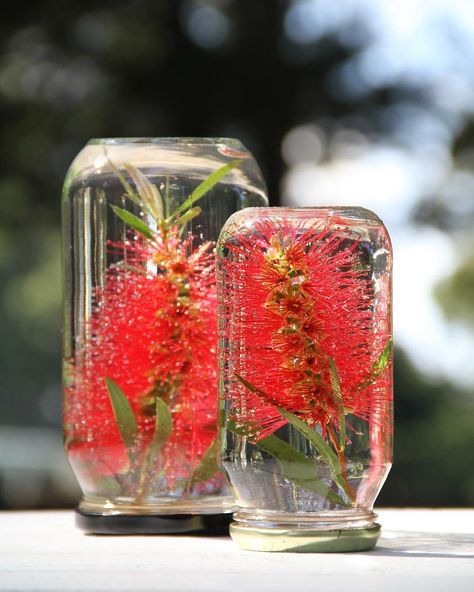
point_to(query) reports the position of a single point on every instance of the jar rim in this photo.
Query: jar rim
(166, 140)
(357, 212)
(302, 209)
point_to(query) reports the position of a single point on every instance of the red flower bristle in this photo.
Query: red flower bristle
(300, 302)
(153, 330)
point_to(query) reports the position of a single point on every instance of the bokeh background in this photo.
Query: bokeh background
(367, 102)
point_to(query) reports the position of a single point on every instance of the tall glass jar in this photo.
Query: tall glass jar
(306, 375)
(140, 221)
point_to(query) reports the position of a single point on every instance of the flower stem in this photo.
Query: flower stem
(144, 481)
(342, 463)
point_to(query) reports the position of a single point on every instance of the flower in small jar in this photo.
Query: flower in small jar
(307, 328)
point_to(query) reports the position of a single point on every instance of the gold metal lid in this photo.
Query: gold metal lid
(304, 540)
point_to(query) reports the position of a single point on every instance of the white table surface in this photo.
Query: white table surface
(420, 550)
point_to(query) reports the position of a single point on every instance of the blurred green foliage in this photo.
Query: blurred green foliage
(98, 69)
(456, 293)
(433, 445)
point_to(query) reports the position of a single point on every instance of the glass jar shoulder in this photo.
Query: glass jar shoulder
(193, 158)
(357, 224)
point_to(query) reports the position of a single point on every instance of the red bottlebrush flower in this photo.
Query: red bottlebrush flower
(300, 323)
(154, 332)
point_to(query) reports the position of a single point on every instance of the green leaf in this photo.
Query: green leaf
(335, 383)
(318, 441)
(167, 196)
(126, 185)
(147, 192)
(134, 222)
(337, 392)
(109, 485)
(323, 448)
(294, 465)
(252, 388)
(205, 186)
(384, 357)
(298, 468)
(189, 215)
(207, 467)
(163, 426)
(379, 366)
(123, 413)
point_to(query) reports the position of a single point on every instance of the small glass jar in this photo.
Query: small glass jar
(140, 221)
(305, 350)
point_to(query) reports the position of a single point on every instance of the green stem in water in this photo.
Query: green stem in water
(163, 431)
(206, 468)
(294, 465)
(336, 462)
(342, 464)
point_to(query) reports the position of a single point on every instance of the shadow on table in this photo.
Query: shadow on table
(426, 544)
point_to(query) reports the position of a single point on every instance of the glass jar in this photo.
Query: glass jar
(140, 221)
(305, 350)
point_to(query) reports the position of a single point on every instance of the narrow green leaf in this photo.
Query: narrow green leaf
(294, 465)
(123, 413)
(167, 196)
(384, 357)
(335, 383)
(134, 222)
(337, 392)
(323, 448)
(163, 425)
(206, 185)
(131, 194)
(207, 467)
(297, 467)
(380, 365)
(109, 485)
(252, 388)
(326, 452)
(189, 215)
(147, 192)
